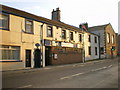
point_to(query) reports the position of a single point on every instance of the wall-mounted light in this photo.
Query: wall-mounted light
(37, 45)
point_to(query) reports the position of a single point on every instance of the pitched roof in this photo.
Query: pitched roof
(100, 27)
(24, 14)
(90, 32)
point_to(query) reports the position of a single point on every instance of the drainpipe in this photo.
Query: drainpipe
(99, 46)
(42, 46)
(83, 47)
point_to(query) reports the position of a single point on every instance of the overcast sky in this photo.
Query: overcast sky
(73, 12)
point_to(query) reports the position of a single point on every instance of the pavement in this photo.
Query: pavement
(93, 74)
(51, 66)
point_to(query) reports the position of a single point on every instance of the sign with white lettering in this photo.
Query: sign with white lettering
(55, 56)
(47, 43)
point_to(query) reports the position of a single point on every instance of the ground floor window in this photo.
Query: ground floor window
(10, 52)
(102, 50)
(89, 50)
(95, 50)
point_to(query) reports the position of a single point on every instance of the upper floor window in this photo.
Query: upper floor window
(89, 38)
(49, 31)
(108, 37)
(71, 35)
(80, 37)
(63, 34)
(28, 26)
(112, 39)
(95, 39)
(4, 21)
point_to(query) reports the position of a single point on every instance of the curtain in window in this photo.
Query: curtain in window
(10, 52)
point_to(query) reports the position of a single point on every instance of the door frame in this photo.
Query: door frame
(28, 64)
(48, 58)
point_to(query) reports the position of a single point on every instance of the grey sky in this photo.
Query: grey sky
(73, 12)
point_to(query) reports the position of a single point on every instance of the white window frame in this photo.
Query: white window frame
(12, 53)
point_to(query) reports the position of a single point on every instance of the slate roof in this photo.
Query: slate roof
(100, 27)
(24, 14)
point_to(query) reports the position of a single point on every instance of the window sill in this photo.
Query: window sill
(50, 36)
(63, 38)
(5, 29)
(28, 33)
(72, 41)
(10, 60)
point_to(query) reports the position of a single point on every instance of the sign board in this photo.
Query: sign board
(47, 43)
(55, 56)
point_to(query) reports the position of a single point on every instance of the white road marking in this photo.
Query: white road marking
(25, 86)
(71, 76)
(74, 65)
(77, 74)
(109, 66)
(78, 65)
(98, 69)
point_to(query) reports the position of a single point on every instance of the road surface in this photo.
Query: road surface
(94, 74)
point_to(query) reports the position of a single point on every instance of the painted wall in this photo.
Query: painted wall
(58, 37)
(16, 36)
(93, 45)
(101, 33)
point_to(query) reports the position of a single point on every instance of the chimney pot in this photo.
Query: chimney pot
(56, 14)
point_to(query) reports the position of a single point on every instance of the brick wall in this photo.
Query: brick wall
(66, 55)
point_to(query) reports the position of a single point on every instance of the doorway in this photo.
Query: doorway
(48, 56)
(37, 58)
(28, 58)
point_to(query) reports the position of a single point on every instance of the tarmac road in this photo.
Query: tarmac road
(93, 74)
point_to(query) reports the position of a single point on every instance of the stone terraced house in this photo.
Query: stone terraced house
(31, 41)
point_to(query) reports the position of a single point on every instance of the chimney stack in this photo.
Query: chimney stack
(56, 14)
(84, 26)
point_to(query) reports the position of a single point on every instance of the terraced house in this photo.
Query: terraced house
(31, 41)
(108, 40)
(91, 43)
